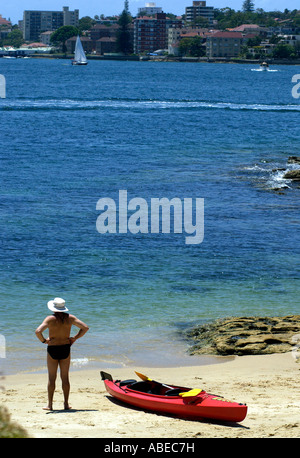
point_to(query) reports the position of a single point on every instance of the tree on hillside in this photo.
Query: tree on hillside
(86, 23)
(248, 6)
(192, 47)
(124, 42)
(62, 34)
(255, 41)
(13, 38)
(284, 51)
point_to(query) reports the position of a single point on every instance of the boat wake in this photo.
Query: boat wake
(263, 70)
(41, 104)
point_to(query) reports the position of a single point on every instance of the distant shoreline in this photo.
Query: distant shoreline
(174, 59)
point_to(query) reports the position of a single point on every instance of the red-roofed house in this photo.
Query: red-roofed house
(223, 44)
(5, 28)
(34, 45)
(101, 30)
(4, 21)
(244, 28)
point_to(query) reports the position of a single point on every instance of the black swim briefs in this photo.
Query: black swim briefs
(59, 351)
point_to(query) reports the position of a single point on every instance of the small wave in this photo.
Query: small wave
(79, 362)
(125, 104)
(277, 180)
(263, 70)
(271, 175)
(254, 168)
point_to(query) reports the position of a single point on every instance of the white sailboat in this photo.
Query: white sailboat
(80, 57)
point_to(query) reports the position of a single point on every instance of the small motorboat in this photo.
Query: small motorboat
(264, 66)
(174, 400)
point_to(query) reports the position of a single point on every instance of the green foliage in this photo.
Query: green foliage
(255, 41)
(191, 47)
(248, 6)
(284, 51)
(274, 39)
(63, 33)
(281, 51)
(200, 21)
(86, 23)
(229, 18)
(9, 429)
(14, 38)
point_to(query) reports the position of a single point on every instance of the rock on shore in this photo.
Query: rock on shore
(245, 336)
(292, 175)
(294, 160)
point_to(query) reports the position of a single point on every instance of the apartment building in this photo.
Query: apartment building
(223, 44)
(149, 9)
(199, 9)
(151, 33)
(36, 22)
(101, 31)
(176, 34)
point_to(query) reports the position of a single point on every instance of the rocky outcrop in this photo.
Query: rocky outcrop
(292, 175)
(245, 336)
(294, 160)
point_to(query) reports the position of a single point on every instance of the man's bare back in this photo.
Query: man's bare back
(59, 326)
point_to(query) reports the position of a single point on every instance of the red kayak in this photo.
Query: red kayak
(175, 400)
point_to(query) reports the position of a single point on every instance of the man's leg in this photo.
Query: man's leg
(52, 371)
(64, 365)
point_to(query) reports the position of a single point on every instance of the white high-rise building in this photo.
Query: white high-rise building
(149, 9)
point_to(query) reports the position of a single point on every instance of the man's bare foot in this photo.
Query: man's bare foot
(47, 408)
(67, 406)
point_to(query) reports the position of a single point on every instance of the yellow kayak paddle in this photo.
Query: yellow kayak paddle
(190, 393)
(186, 394)
(147, 379)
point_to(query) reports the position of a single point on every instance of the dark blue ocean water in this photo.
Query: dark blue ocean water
(73, 135)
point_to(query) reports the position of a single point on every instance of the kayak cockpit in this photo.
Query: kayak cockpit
(151, 387)
(146, 386)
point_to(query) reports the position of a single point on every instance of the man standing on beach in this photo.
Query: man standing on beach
(59, 343)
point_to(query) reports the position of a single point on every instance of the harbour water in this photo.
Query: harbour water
(72, 135)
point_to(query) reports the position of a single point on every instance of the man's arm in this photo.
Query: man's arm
(40, 329)
(83, 328)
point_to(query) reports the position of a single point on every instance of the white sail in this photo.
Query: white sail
(80, 56)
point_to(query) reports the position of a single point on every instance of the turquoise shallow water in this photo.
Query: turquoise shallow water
(70, 136)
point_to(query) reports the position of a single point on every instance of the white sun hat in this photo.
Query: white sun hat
(57, 305)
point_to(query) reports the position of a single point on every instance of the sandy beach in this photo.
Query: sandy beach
(268, 384)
